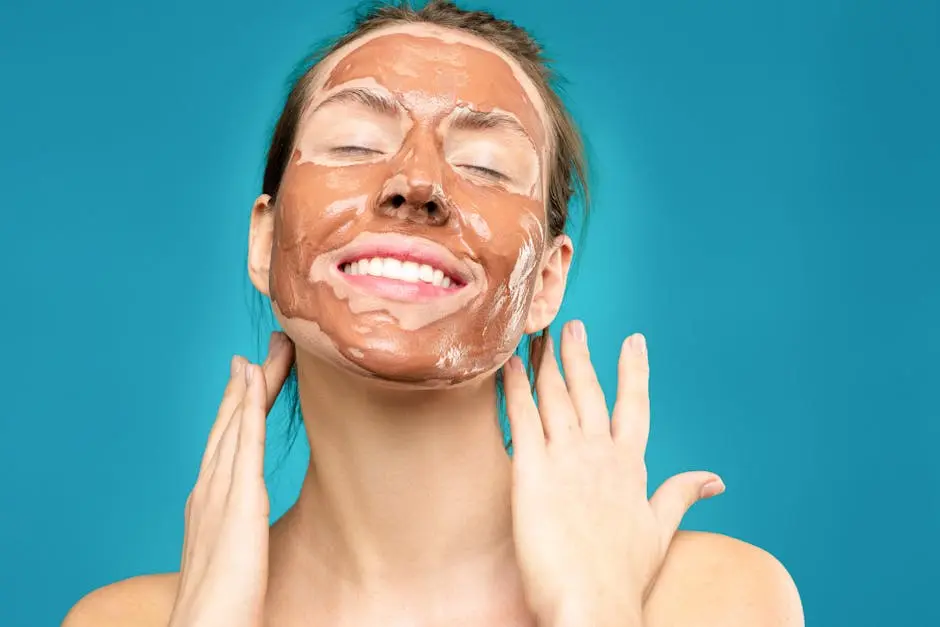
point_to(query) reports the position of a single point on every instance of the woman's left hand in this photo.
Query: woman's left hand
(588, 541)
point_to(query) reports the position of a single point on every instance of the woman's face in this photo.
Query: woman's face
(409, 233)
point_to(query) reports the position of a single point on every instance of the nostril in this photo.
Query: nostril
(397, 200)
(431, 207)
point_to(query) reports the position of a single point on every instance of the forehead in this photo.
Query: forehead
(431, 67)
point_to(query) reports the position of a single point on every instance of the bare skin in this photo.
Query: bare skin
(406, 514)
(708, 580)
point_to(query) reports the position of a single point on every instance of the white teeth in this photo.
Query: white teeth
(409, 272)
(389, 268)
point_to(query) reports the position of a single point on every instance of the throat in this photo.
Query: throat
(403, 487)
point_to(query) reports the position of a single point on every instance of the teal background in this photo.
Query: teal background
(766, 183)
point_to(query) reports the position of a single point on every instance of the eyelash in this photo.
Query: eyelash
(499, 176)
(354, 150)
(359, 150)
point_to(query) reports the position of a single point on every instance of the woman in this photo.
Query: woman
(410, 231)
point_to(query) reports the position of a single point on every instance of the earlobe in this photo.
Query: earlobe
(550, 285)
(260, 242)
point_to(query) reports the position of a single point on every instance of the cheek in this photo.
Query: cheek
(317, 208)
(318, 205)
(512, 261)
(506, 231)
(313, 194)
(494, 219)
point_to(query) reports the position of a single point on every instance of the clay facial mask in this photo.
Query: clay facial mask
(410, 222)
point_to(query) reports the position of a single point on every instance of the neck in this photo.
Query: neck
(403, 487)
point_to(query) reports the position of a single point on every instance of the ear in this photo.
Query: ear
(550, 285)
(260, 243)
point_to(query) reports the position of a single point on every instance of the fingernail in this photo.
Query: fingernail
(549, 344)
(713, 488)
(515, 363)
(235, 365)
(248, 372)
(578, 330)
(638, 344)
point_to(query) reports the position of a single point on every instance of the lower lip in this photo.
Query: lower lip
(397, 290)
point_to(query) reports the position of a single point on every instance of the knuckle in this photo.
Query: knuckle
(250, 499)
(586, 378)
(581, 359)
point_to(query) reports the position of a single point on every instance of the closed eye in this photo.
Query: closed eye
(487, 172)
(354, 151)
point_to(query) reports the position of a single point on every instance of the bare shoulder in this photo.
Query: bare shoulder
(144, 601)
(713, 580)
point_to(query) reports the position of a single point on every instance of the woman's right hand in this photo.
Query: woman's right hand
(224, 570)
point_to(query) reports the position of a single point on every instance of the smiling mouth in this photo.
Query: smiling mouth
(402, 280)
(405, 271)
(400, 267)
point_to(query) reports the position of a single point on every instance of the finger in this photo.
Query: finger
(220, 467)
(232, 396)
(583, 387)
(631, 416)
(278, 354)
(525, 426)
(249, 457)
(277, 367)
(558, 416)
(680, 492)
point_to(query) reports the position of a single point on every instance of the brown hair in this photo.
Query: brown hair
(568, 169)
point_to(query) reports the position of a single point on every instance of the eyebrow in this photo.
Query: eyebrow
(465, 119)
(377, 101)
(470, 120)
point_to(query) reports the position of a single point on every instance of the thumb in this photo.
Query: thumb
(680, 492)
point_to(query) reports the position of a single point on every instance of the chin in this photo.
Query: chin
(391, 360)
(392, 372)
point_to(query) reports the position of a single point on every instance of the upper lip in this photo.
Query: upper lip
(405, 248)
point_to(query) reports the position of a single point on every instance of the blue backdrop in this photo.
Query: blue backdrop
(767, 213)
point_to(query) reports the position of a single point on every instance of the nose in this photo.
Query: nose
(414, 192)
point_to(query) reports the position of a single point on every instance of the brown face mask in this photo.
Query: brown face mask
(410, 223)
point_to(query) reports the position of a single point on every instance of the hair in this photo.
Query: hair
(568, 173)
